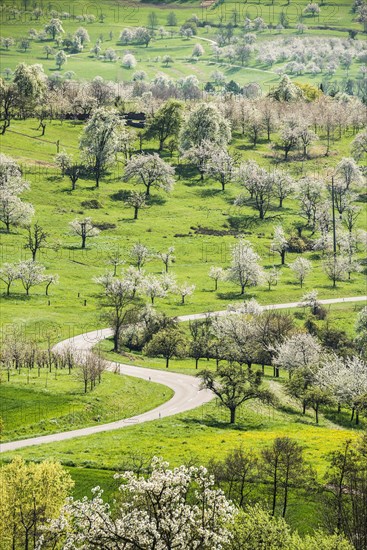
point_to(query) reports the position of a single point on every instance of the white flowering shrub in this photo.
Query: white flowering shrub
(172, 508)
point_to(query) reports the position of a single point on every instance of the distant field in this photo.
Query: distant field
(334, 20)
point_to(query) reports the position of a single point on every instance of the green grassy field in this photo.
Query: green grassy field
(334, 19)
(197, 436)
(170, 220)
(197, 219)
(53, 402)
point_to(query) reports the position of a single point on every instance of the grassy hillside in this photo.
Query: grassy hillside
(38, 404)
(190, 219)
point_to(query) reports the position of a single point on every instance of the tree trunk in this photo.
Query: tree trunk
(83, 241)
(167, 362)
(317, 414)
(136, 211)
(233, 416)
(116, 341)
(196, 362)
(275, 488)
(282, 255)
(285, 499)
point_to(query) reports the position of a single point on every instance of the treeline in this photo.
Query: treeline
(237, 502)
(325, 366)
(19, 354)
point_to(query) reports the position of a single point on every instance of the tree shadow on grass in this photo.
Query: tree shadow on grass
(205, 193)
(243, 223)
(53, 179)
(16, 296)
(156, 200)
(187, 172)
(222, 424)
(343, 419)
(121, 195)
(231, 296)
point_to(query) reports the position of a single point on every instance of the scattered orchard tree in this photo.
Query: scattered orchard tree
(300, 351)
(205, 123)
(168, 343)
(198, 50)
(50, 279)
(137, 200)
(54, 27)
(84, 228)
(118, 297)
(31, 274)
(167, 257)
(152, 287)
(234, 385)
(283, 467)
(336, 268)
(301, 267)
(217, 274)
(36, 239)
(245, 269)
(98, 143)
(271, 276)
(8, 274)
(221, 167)
(150, 171)
(60, 59)
(140, 254)
(166, 122)
(129, 61)
(185, 290)
(279, 243)
(359, 145)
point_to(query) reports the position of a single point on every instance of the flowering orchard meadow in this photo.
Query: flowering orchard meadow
(183, 351)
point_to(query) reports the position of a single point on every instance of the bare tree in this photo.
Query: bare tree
(37, 239)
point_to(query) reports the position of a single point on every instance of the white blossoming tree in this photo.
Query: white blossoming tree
(153, 288)
(185, 290)
(150, 171)
(301, 267)
(154, 512)
(302, 350)
(84, 229)
(217, 274)
(279, 243)
(245, 269)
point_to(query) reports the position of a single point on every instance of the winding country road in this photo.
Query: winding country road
(187, 393)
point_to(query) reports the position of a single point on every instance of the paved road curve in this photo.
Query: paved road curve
(187, 393)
